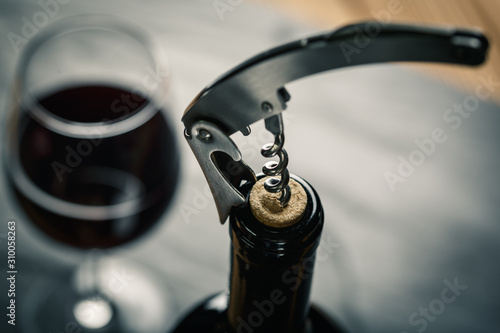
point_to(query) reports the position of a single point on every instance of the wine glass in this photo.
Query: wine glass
(92, 156)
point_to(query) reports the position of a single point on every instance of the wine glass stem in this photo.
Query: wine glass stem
(87, 274)
(92, 310)
(94, 272)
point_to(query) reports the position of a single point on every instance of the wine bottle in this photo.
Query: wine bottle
(272, 262)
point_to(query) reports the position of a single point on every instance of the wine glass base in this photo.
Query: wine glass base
(133, 297)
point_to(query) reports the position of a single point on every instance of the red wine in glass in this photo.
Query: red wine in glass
(135, 171)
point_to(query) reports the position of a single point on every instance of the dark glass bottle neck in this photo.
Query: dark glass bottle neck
(271, 269)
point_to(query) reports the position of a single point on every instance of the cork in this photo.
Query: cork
(266, 207)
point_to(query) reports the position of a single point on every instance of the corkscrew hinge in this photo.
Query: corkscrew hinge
(254, 90)
(221, 162)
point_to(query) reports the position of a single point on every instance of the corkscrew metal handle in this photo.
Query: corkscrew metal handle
(254, 90)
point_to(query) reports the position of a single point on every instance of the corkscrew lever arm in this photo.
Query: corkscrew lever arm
(254, 90)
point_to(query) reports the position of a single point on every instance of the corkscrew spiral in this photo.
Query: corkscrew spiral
(275, 169)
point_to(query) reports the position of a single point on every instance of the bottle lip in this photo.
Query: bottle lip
(254, 236)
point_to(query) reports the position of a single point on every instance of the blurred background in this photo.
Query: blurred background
(390, 250)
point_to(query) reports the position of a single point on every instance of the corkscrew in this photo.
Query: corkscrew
(255, 90)
(274, 124)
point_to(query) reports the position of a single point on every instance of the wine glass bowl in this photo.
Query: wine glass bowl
(93, 158)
